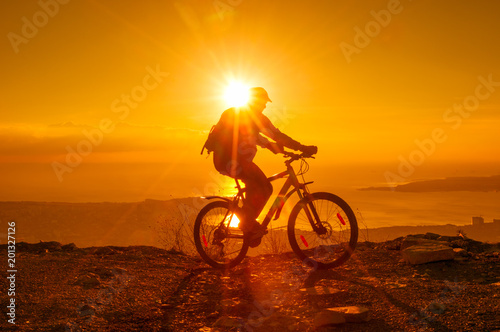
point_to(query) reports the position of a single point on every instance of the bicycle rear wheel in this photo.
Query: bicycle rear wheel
(334, 241)
(218, 242)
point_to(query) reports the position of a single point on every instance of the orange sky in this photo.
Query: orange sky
(134, 87)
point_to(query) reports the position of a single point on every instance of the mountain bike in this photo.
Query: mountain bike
(322, 229)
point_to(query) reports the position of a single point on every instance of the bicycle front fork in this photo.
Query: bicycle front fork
(314, 219)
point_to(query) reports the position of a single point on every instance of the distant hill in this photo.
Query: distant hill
(488, 232)
(148, 222)
(491, 183)
(97, 224)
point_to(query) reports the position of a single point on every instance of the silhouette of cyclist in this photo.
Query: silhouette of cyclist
(245, 128)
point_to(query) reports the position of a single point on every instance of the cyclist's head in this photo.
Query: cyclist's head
(258, 99)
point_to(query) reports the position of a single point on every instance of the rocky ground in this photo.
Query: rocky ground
(64, 288)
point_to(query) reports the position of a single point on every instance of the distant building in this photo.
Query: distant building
(477, 221)
(496, 222)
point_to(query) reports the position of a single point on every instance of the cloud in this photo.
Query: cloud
(20, 140)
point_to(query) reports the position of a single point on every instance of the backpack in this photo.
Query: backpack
(220, 137)
(211, 142)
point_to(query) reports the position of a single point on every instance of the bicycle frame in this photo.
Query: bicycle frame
(321, 243)
(292, 182)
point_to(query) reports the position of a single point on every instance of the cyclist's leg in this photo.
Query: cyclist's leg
(258, 187)
(258, 191)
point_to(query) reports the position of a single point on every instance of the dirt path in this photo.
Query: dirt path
(149, 289)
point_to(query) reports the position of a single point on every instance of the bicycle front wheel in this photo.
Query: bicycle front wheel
(322, 230)
(217, 238)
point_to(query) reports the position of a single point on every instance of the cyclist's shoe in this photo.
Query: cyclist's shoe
(255, 239)
(254, 231)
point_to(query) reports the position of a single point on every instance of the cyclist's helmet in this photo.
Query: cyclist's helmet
(259, 93)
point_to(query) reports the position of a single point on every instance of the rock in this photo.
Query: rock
(48, 246)
(69, 247)
(393, 245)
(419, 236)
(299, 326)
(460, 252)
(87, 310)
(229, 302)
(205, 329)
(103, 272)
(460, 259)
(277, 321)
(459, 243)
(353, 314)
(449, 238)
(228, 322)
(428, 252)
(431, 236)
(436, 307)
(319, 290)
(328, 317)
(103, 251)
(119, 270)
(475, 246)
(371, 280)
(411, 240)
(395, 284)
(88, 281)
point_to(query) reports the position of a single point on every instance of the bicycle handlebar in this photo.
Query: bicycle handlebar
(295, 156)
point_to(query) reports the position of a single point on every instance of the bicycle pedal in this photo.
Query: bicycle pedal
(255, 242)
(254, 239)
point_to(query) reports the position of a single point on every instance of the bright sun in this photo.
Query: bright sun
(234, 221)
(236, 94)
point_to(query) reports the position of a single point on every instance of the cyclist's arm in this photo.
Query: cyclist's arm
(265, 143)
(274, 133)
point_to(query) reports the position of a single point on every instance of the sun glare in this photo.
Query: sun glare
(234, 221)
(236, 94)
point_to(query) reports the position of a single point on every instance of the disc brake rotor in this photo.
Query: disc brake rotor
(329, 230)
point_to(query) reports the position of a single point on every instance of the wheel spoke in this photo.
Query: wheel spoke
(332, 245)
(218, 244)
